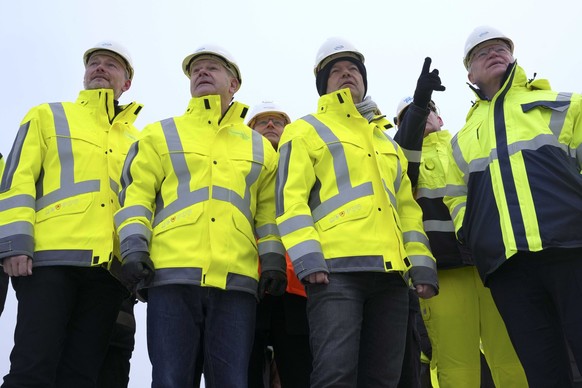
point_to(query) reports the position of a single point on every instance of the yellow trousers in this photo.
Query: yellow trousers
(459, 320)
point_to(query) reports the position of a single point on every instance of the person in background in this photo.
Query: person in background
(281, 320)
(198, 214)
(514, 190)
(464, 314)
(57, 236)
(352, 229)
(4, 279)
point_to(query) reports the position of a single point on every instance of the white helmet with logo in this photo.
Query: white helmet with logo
(266, 107)
(482, 34)
(216, 51)
(334, 48)
(402, 105)
(115, 48)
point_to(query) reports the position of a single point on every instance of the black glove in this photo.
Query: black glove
(137, 266)
(272, 282)
(427, 82)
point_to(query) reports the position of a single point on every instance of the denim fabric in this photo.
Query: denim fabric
(183, 318)
(358, 326)
(65, 318)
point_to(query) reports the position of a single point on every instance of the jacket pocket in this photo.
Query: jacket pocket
(184, 217)
(67, 206)
(354, 210)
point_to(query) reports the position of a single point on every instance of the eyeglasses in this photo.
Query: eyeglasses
(485, 51)
(265, 122)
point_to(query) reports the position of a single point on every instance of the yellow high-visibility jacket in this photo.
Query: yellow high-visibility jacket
(198, 195)
(59, 189)
(514, 184)
(344, 200)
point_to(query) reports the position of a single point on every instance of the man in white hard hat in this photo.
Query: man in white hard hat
(353, 231)
(515, 194)
(57, 239)
(464, 315)
(198, 204)
(281, 320)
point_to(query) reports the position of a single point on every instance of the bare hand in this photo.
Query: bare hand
(317, 278)
(425, 291)
(20, 265)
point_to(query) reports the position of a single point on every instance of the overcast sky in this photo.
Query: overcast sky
(274, 42)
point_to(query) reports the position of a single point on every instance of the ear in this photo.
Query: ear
(470, 76)
(126, 85)
(440, 121)
(234, 85)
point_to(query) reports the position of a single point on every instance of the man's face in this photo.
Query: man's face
(208, 76)
(433, 122)
(489, 62)
(271, 126)
(104, 71)
(345, 74)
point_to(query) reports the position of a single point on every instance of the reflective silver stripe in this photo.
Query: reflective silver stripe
(391, 196)
(362, 263)
(177, 276)
(135, 229)
(459, 160)
(67, 192)
(266, 247)
(438, 226)
(346, 193)
(457, 209)
(455, 190)
(412, 155)
(414, 236)
(266, 230)
(559, 114)
(237, 282)
(282, 175)
(21, 200)
(422, 261)
(14, 157)
(304, 247)
(536, 143)
(114, 186)
(14, 228)
(232, 197)
(295, 223)
(430, 193)
(341, 199)
(480, 164)
(68, 187)
(177, 156)
(78, 258)
(130, 212)
(181, 203)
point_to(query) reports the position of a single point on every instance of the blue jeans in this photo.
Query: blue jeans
(182, 318)
(358, 326)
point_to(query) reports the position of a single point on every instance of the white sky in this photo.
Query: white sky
(274, 42)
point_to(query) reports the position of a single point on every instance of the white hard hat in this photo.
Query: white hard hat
(266, 107)
(115, 48)
(335, 48)
(402, 105)
(482, 34)
(217, 51)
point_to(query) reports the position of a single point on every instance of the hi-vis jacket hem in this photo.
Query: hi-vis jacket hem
(515, 183)
(198, 195)
(344, 201)
(59, 189)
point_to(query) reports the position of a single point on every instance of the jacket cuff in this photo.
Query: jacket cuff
(273, 262)
(424, 275)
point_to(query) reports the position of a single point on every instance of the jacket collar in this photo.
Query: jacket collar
(339, 102)
(209, 108)
(98, 99)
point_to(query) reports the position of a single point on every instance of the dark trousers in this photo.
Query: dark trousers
(115, 369)
(282, 323)
(539, 296)
(65, 317)
(410, 375)
(3, 289)
(357, 327)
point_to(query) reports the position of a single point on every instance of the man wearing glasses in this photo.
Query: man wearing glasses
(515, 194)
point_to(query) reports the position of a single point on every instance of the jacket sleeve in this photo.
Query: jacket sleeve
(416, 244)
(271, 250)
(18, 188)
(295, 179)
(141, 179)
(456, 190)
(409, 136)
